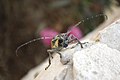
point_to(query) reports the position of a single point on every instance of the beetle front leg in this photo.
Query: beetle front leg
(49, 52)
(50, 56)
(49, 63)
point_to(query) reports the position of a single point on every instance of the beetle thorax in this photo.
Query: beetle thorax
(60, 41)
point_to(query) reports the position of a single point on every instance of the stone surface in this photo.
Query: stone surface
(58, 71)
(111, 35)
(98, 62)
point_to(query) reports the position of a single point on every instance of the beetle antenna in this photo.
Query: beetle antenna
(37, 39)
(92, 17)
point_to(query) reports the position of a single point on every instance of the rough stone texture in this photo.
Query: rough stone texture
(98, 62)
(111, 35)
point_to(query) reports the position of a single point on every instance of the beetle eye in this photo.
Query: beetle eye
(60, 40)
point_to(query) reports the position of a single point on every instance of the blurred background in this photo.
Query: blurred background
(24, 20)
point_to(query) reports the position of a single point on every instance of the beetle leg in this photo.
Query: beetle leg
(49, 61)
(59, 54)
(79, 42)
(50, 56)
(67, 62)
(75, 38)
(49, 52)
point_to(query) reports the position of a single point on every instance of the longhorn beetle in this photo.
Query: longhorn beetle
(60, 41)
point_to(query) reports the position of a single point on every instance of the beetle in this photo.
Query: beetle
(60, 41)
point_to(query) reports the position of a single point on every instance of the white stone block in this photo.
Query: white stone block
(111, 35)
(98, 62)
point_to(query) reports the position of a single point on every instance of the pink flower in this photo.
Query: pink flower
(48, 32)
(76, 32)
